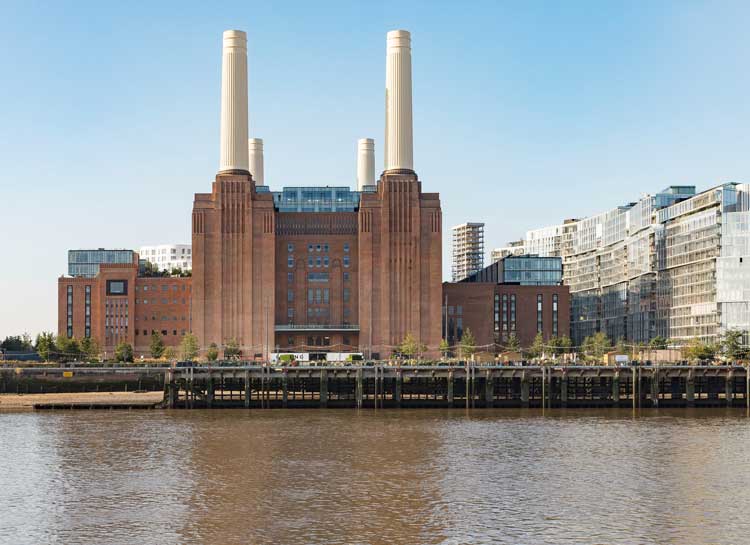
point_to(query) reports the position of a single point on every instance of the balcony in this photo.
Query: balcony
(316, 327)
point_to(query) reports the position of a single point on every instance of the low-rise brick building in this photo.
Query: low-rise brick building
(117, 305)
(517, 296)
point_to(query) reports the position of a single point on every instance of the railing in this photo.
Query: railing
(316, 327)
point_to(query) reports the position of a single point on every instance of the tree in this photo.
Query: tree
(514, 345)
(536, 350)
(468, 344)
(17, 343)
(444, 348)
(232, 350)
(45, 345)
(595, 346)
(170, 353)
(658, 343)
(90, 348)
(621, 347)
(189, 347)
(697, 350)
(124, 352)
(213, 352)
(560, 345)
(408, 346)
(68, 349)
(731, 345)
(157, 345)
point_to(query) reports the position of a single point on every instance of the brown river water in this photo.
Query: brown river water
(349, 477)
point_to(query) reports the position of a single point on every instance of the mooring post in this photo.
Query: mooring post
(397, 392)
(634, 393)
(747, 386)
(655, 386)
(524, 390)
(450, 388)
(171, 389)
(729, 388)
(489, 392)
(323, 388)
(468, 380)
(209, 390)
(564, 389)
(358, 390)
(690, 389)
(616, 389)
(544, 387)
(285, 388)
(247, 388)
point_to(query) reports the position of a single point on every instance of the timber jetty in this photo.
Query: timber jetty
(386, 386)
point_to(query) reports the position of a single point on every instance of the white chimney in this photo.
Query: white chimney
(365, 162)
(233, 154)
(398, 122)
(255, 154)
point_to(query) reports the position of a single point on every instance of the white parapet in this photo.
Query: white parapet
(365, 162)
(233, 153)
(398, 118)
(255, 154)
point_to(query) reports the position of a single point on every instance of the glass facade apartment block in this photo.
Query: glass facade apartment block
(85, 263)
(675, 264)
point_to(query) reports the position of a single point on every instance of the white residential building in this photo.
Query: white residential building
(168, 256)
(468, 250)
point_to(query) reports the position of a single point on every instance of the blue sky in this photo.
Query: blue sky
(525, 113)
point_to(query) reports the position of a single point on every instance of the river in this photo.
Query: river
(342, 476)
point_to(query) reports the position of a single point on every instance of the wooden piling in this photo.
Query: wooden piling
(247, 389)
(323, 388)
(690, 389)
(285, 388)
(524, 390)
(564, 389)
(397, 391)
(655, 387)
(616, 389)
(450, 388)
(729, 388)
(489, 390)
(358, 390)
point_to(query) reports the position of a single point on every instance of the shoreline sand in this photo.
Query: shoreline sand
(27, 401)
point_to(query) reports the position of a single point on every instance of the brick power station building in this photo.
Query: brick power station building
(361, 277)
(304, 269)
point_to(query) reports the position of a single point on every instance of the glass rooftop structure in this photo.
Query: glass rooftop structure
(524, 270)
(86, 262)
(316, 199)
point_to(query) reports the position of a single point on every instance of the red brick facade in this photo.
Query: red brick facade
(378, 278)
(475, 305)
(119, 306)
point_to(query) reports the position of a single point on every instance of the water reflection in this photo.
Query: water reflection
(502, 476)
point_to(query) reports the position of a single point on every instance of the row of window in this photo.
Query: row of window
(316, 262)
(315, 277)
(164, 287)
(322, 247)
(164, 332)
(163, 301)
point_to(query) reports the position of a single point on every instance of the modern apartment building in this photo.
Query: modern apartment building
(669, 264)
(168, 256)
(468, 250)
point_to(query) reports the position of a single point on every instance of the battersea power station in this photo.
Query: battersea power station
(312, 270)
(313, 266)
